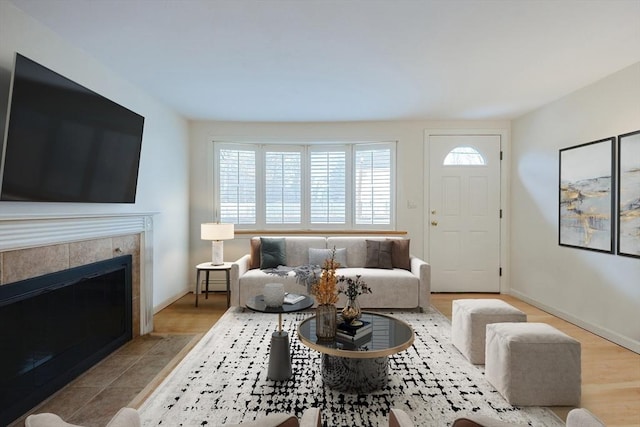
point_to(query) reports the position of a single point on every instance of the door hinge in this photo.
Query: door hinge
(500, 272)
(500, 155)
(500, 213)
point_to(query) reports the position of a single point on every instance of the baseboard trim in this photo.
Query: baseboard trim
(598, 330)
(166, 303)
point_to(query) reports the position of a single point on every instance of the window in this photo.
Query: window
(237, 186)
(283, 187)
(464, 156)
(373, 192)
(328, 186)
(311, 186)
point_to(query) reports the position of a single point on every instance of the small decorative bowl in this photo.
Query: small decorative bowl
(273, 294)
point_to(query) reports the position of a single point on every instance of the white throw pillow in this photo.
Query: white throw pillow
(318, 256)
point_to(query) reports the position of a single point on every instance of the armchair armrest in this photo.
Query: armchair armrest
(238, 268)
(311, 418)
(423, 271)
(399, 418)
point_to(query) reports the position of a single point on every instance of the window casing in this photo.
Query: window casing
(311, 186)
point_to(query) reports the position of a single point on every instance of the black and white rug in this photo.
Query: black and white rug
(223, 380)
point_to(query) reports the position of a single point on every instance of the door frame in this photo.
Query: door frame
(505, 173)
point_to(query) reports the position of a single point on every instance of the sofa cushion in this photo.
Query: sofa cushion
(378, 254)
(272, 252)
(400, 253)
(318, 256)
(395, 288)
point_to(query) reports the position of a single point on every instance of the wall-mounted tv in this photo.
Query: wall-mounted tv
(65, 143)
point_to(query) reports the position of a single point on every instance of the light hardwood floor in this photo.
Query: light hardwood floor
(610, 373)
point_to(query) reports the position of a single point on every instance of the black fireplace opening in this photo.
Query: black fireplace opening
(55, 327)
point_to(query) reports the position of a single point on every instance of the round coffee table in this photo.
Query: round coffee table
(362, 365)
(280, 355)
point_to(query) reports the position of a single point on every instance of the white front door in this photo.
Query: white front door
(464, 213)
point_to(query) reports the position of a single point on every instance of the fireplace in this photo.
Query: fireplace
(55, 326)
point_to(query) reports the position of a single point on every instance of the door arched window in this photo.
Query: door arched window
(464, 156)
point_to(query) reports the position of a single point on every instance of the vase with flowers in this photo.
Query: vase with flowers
(352, 288)
(325, 290)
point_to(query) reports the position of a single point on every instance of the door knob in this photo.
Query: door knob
(434, 223)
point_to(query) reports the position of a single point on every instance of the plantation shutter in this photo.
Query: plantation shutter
(373, 186)
(283, 187)
(237, 186)
(327, 186)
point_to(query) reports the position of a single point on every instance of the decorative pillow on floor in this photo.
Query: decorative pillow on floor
(378, 254)
(272, 252)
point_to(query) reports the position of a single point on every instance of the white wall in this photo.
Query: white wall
(410, 158)
(163, 180)
(598, 291)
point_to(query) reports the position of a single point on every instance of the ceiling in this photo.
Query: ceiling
(351, 60)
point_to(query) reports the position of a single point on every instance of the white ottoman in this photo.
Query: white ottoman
(469, 319)
(533, 364)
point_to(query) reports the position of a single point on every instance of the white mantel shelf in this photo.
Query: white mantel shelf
(27, 231)
(33, 230)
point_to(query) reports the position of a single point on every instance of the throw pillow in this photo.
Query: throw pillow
(318, 256)
(400, 253)
(378, 254)
(272, 252)
(255, 253)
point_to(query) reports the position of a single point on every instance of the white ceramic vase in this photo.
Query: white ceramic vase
(273, 294)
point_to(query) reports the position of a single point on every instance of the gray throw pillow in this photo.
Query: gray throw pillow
(378, 254)
(400, 254)
(272, 252)
(318, 256)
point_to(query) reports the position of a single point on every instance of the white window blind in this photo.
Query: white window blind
(373, 186)
(327, 186)
(311, 186)
(237, 186)
(283, 187)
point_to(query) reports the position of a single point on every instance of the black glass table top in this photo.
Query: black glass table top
(257, 304)
(388, 336)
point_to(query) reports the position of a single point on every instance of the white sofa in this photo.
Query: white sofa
(391, 288)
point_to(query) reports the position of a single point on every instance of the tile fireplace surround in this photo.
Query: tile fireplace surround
(33, 246)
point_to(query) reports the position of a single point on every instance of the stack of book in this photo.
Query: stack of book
(290, 298)
(349, 332)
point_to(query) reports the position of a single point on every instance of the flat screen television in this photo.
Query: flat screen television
(65, 143)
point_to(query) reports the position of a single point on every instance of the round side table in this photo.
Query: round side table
(280, 355)
(208, 267)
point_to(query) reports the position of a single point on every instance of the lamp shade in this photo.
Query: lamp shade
(216, 231)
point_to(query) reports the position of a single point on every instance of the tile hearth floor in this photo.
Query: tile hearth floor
(94, 397)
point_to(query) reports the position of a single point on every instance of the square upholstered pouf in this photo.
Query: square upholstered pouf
(533, 364)
(469, 319)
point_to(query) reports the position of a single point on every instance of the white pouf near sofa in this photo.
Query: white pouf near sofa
(469, 319)
(533, 364)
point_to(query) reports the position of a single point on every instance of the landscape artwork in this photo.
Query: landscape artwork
(629, 194)
(586, 198)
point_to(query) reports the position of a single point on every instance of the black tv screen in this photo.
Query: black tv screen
(66, 143)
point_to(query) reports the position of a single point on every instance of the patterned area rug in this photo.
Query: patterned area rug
(223, 380)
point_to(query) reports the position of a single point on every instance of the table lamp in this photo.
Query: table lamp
(216, 232)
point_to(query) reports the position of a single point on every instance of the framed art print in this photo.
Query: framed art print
(586, 196)
(629, 194)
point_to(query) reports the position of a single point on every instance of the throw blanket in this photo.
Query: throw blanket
(305, 274)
